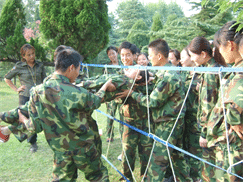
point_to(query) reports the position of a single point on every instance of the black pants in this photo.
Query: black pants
(22, 100)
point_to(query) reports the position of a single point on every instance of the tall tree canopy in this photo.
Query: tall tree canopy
(12, 22)
(82, 24)
(128, 12)
(138, 34)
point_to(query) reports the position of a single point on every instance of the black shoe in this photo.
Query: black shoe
(33, 148)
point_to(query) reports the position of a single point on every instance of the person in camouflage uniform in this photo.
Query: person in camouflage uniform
(112, 53)
(201, 53)
(227, 39)
(165, 102)
(31, 72)
(59, 108)
(192, 132)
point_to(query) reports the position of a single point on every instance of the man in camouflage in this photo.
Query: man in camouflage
(60, 109)
(165, 102)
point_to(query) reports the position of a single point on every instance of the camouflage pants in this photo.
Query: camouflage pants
(208, 171)
(111, 110)
(94, 127)
(160, 158)
(191, 144)
(66, 165)
(131, 141)
(223, 161)
(22, 100)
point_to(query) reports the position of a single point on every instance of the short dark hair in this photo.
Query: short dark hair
(186, 49)
(145, 54)
(111, 48)
(176, 53)
(228, 33)
(143, 74)
(241, 42)
(128, 45)
(160, 46)
(59, 49)
(66, 58)
(199, 44)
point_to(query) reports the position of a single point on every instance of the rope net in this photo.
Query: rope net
(213, 70)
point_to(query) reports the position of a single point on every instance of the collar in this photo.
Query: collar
(57, 76)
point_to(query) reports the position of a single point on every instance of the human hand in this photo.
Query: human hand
(203, 142)
(111, 87)
(124, 94)
(238, 130)
(22, 118)
(21, 88)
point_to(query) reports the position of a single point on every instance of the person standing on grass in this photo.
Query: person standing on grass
(31, 72)
(201, 53)
(60, 109)
(229, 107)
(165, 102)
(112, 53)
(192, 132)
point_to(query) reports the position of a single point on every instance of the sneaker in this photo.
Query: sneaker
(4, 134)
(33, 148)
(119, 157)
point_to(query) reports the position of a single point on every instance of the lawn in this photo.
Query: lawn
(18, 164)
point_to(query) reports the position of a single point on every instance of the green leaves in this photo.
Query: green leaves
(81, 24)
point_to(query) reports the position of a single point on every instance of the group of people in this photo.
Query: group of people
(209, 124)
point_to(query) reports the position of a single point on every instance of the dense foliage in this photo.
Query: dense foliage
(77, 23)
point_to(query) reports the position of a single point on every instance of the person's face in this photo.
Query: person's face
(74, 72)
(127, 57)
(198, 59)
(227, 54)
(173, 59)
(142, 60)
(112, 54)
(133, 74)
(186, 60)
(154, 57)
(29, 56)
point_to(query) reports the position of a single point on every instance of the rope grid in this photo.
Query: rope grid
(210, 70)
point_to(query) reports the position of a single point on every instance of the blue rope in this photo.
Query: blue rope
(196, 69)
(163, 142)
(115, 168)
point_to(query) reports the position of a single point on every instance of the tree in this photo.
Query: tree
(178, 33)
(163, 10)
(138, 34)
(1, 4)
(225, 6)
(30, 11)
(12, 22)
(209, 19)
(128, 12)
(82, 24)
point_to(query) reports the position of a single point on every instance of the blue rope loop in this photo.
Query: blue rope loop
(196, 69)
(114, 168)
(164, 143)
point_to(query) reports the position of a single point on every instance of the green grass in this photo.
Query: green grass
(18, 164)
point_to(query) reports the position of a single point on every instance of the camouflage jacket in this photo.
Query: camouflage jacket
(208, 96)
(27, 76)
(192, 99)
(131, 110)
(166, 98)
(61, 110)
(233, 103)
